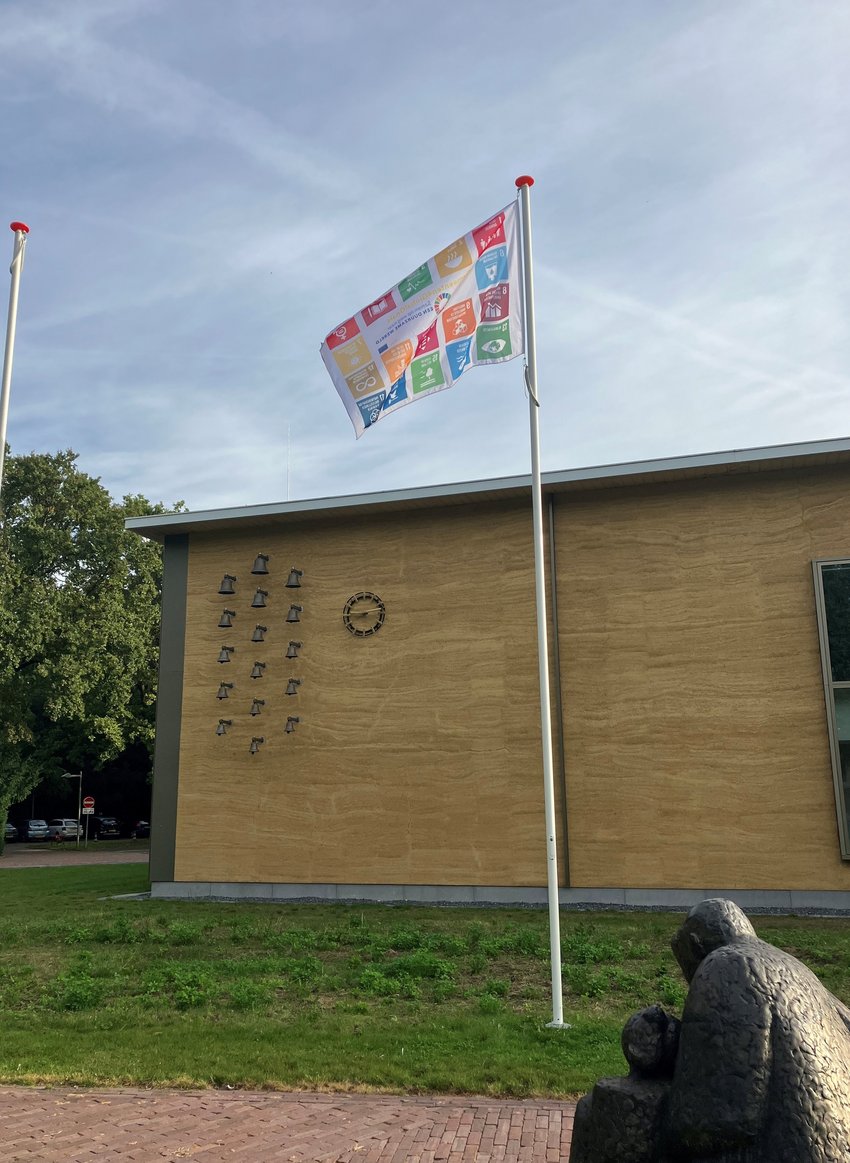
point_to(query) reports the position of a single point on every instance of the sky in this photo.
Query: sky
(212, 187)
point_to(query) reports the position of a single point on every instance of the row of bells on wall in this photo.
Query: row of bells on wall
(258, 602)
(256, 740)
(292, 684)
(258, 668)
(257, 671)
(293, 582)
(259, 633)
(225, 622)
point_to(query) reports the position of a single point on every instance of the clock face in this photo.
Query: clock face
(364, 614)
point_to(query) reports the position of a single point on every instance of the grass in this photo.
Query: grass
(101, 991)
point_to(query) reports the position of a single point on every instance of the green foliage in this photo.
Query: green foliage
(79, 610)
(422, 963)
(290, 940)
(405, 937)
(376, 982)
(382, 983)
(584, 982)
(443, 989)
(672, 993)
(76, 988)
(585, 946)
(182, 933)
(301, 970)
(183, 985)
(496, 986)
(249, 995)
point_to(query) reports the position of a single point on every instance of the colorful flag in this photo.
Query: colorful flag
(460, 308)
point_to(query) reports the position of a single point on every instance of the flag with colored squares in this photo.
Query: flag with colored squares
(460, 308)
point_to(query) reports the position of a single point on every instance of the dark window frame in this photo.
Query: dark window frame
(830, 685)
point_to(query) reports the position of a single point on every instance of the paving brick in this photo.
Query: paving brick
(53, 1125)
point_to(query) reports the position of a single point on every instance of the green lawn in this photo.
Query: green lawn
(101, 991)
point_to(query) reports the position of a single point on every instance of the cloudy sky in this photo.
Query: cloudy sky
(211, 187)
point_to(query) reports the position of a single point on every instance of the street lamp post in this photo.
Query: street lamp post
(77, 775)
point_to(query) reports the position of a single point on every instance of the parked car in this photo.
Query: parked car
(64, 829)
(103, 828)
(33, 830)
(11, 832)
(139, 830)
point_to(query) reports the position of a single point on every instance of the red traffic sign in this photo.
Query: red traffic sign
(88, 802)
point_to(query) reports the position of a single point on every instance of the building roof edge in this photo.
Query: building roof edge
(162, 525)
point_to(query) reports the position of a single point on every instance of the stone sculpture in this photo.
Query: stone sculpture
(758, 1071)
(622, 1119)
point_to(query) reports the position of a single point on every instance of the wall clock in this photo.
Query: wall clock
(364, 614)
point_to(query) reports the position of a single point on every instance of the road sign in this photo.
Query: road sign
(88, 806)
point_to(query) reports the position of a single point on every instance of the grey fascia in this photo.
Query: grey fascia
(164, 524)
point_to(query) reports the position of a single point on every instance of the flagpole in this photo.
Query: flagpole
(524, 185)
(21, 231)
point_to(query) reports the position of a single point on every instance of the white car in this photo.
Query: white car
(60, 829)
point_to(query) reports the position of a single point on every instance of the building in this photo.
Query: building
(389, 659)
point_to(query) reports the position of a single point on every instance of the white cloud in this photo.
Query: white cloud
(123, 82)
(212, 189)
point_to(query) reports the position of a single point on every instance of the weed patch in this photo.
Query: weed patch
(75, 989)
(422, 963)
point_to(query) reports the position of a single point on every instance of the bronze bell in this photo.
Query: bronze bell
(290, 723)
(261, 563)
(223, 724)
(257, 669)
(260, 598)
(292, 686)
(226, 619)
(294, 579)
(223, 689)
(227, 586)
(255, 743)
(259, 634)
(294, 612)
(255, 706)
(225, 653)
(292, 649)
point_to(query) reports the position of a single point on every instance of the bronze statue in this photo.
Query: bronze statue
(758, 1071)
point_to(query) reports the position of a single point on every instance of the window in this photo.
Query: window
(832, 595)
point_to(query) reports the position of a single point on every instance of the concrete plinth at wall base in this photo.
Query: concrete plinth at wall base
(443, 894)
(531, 896)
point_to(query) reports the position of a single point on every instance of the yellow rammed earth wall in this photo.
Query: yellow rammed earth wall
(697, 749)
(696, 739)
(417, 759)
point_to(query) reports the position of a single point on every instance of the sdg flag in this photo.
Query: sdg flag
(461, 307)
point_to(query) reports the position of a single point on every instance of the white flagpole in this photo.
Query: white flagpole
(524, 185)
(21, 231)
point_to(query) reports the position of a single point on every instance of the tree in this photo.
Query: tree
(79, 621)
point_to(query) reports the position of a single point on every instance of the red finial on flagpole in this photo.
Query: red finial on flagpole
(524, 180)
(22, 226)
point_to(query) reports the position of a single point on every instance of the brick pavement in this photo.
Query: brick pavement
(50, 1124)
